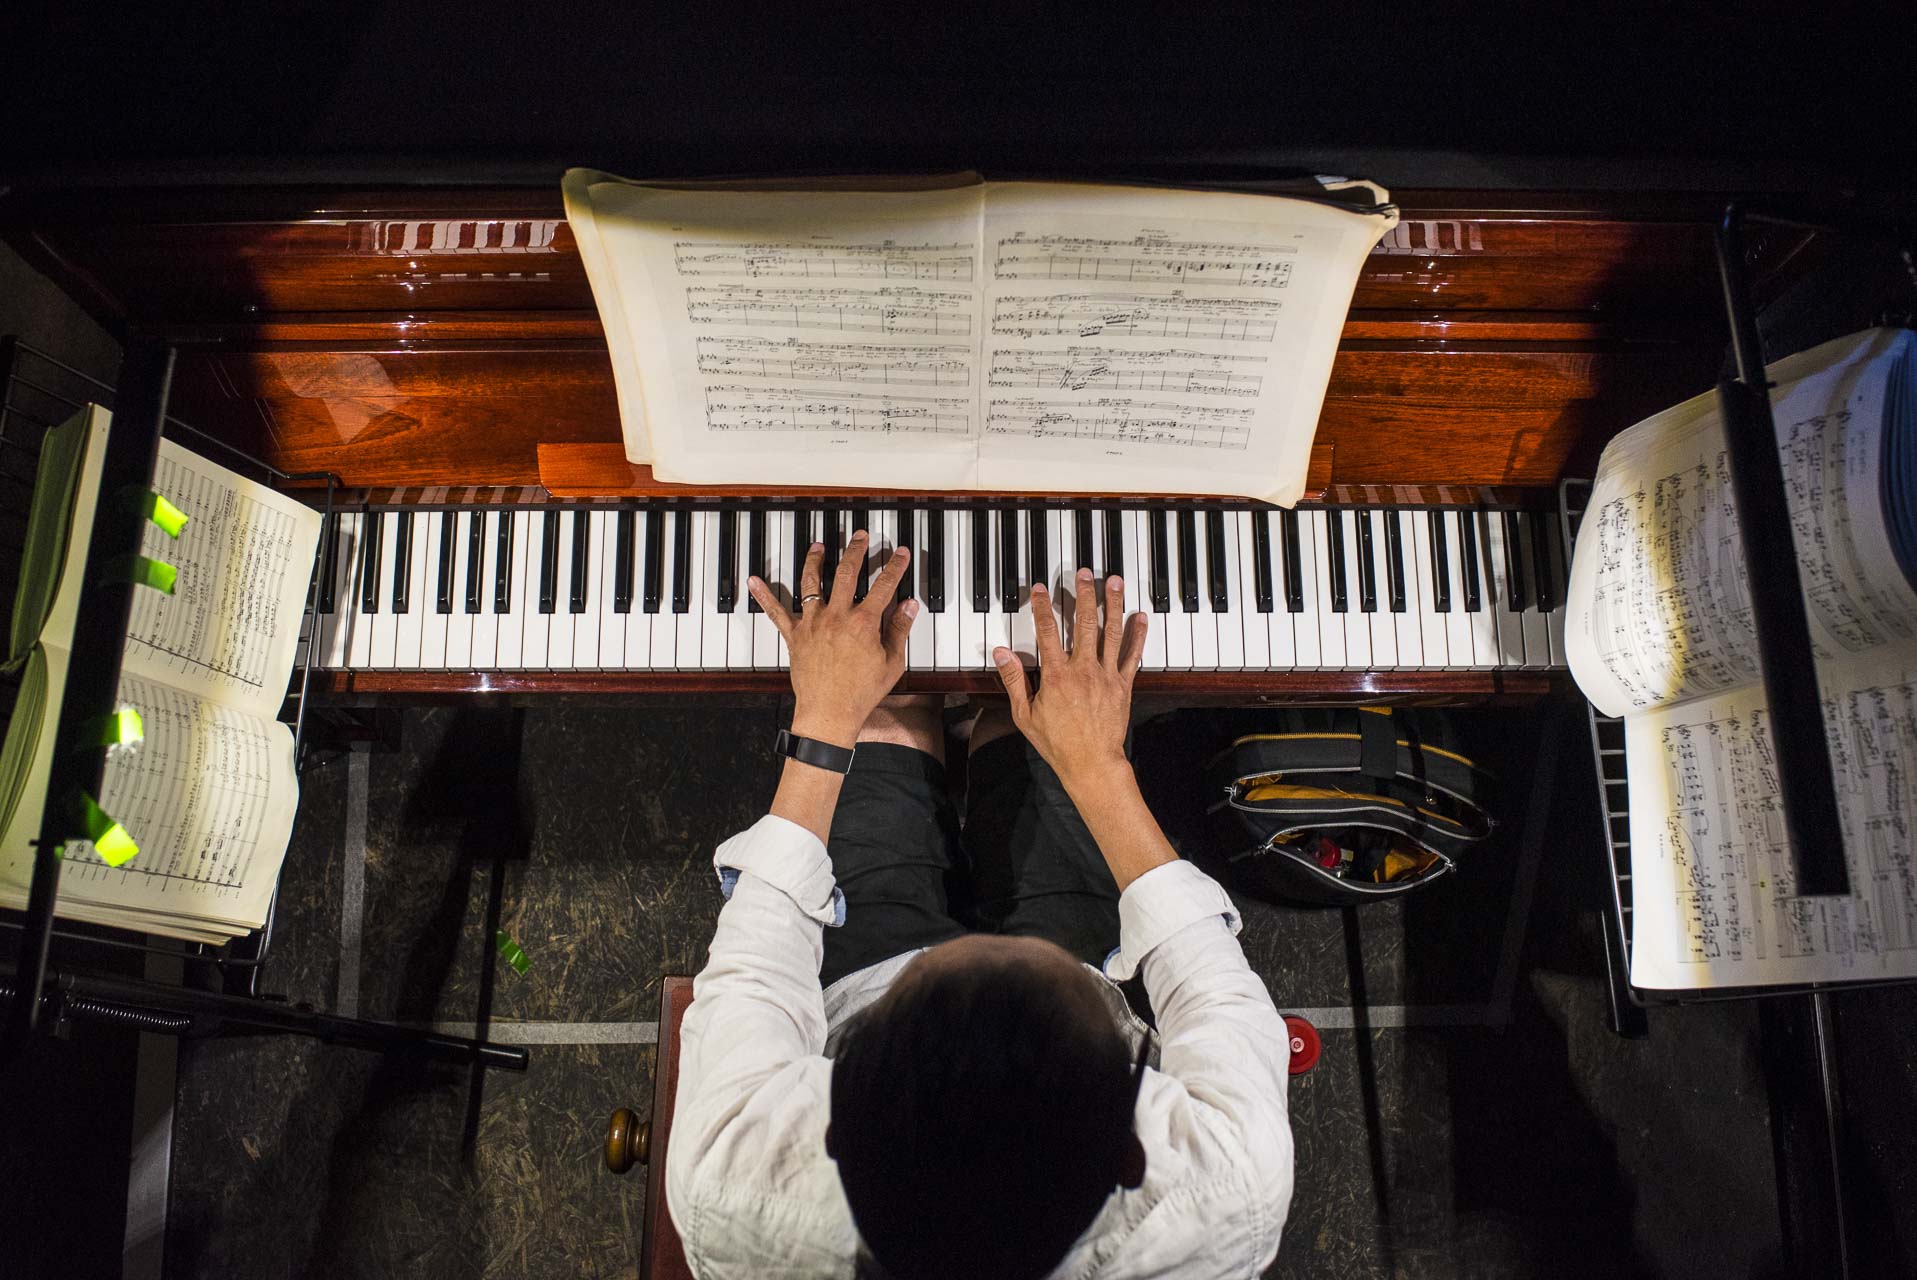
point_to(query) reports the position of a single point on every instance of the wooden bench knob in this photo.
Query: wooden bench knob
(628, 1140)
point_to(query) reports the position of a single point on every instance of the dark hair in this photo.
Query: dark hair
(979, 1122)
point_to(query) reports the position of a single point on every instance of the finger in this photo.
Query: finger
(770, 606)
(897, 627)
(845, 583)
(879, 596)
(1085, 628)
(1114, 619)
(1011, 673)
(1045, 626)
(1133, 651)
(810, 576)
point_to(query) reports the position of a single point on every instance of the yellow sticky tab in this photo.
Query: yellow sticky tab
(163, 513)
(143, 571)
(115, 729)
(110, 839)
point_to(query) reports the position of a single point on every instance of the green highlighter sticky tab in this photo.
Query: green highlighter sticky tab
(115, 729)
(511, 950)
(110, 839)
(163, 513)
(143, 571)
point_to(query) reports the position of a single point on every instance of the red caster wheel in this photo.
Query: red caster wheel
(1305, 1045)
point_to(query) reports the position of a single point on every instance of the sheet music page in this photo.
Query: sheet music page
(245, 560)
(209, 794)
(1658, 598)
(1170, 341)
(808, 334)
(1711, 874)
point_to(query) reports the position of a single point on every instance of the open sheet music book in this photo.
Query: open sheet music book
(209, 794)
(1015, 336)
(1659, 631)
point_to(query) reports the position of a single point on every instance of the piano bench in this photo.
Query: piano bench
(631, 1141)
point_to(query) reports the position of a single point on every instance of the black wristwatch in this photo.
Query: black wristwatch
(820, 755)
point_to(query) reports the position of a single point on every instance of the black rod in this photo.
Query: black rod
(93, 670)
(1806, 792)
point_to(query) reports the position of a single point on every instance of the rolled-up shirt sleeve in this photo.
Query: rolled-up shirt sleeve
(1221, 1040)
(757, 1008)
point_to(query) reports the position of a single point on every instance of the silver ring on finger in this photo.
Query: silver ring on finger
(809, 599)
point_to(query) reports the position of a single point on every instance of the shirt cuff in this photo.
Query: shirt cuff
(1160, 903)
(790, 859)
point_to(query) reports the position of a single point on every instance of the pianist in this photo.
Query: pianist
(906, 1056)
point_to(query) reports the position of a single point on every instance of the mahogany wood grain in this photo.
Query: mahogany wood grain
(663, 1253)
(1423, 688)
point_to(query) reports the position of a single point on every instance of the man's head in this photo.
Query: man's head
(982, 1111)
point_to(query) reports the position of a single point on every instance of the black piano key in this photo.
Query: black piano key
(1468, 562)
(549, 562)
(475, 561)
(755, 552)
(1335, 560)
(981, 560)
(1082, 540)
(652, 587)
(682, 560)
(725, 596)
(1394, 560)
(448, 535)
(1039, 553)
(862, 519)
(1544, 575)
(1365, 523)
(1215, 563)
(833, 537)
(370, 526)
(581, 549)
(1188, 560)
(906, 521)
(402, 561)
(1294, 561)
(1261, 560)
(626, 533)
(934, 570)
(1440, 562)
(1114, 566)
(801, 548)
(329, 563)
(1517, 596)
(1008, 559)
(1160, 536)
(503, 555)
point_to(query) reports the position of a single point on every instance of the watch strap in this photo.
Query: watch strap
(820, 755)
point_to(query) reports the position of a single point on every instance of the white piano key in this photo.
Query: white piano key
(638, 646)
(1280, 626)
(1460, 652)
(1357, 621)
(360, 636)
(609, 624)
(1384, 625)
(485, 624)
(535, 628)
(560, 622)
(1431, 627)
(385, 624)
(737, 648)
(585, 626)
(1204, 623)
(1537, 627)
(1483, 623)
(1331, 624)
(921, 642)
(947, 640)
(1560, 577)
(1242, 604)
(688, 651)
(1409, 627)
(709, 627)
(778, 553)
(1510, 626)
(1131, 539)
(1024, 639)
(432, 623)
(998, 623)
(336, 630)
(1156, 633)
(1060, 575)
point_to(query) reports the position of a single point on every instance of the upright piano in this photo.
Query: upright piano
(436, 348)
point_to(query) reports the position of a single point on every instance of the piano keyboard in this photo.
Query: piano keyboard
(661, 587)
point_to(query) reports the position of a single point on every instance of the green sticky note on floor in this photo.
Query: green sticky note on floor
(515, 956)
(110, 839)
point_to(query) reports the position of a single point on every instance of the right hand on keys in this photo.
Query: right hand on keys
(1080, 715)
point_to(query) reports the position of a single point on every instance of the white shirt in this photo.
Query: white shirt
(753, 1193)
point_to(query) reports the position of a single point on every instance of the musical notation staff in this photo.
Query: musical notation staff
(1137, 315)
(792, 360)
(1142, 259)
(736, 408)
(1112, 369)
(1119, 419)
(885, 310)
(826, 261)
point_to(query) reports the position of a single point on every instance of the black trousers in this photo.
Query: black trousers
(1021, 863)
